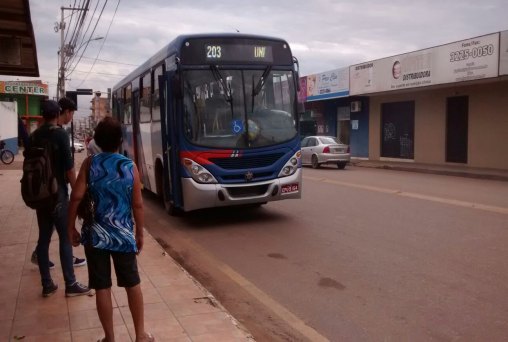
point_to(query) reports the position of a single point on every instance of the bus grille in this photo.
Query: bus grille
(247, 162)
(241, 177)
(248, 191)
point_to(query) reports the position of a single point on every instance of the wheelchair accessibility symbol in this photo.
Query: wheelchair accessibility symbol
(237, 126)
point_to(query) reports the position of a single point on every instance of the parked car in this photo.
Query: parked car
(78, 147)
(317, 150)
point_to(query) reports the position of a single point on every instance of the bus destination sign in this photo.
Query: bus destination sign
(238, 53)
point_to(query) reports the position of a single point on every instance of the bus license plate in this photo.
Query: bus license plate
(285, 189)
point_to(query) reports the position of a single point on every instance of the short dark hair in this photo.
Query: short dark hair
(50, 109)
(108, 134)
(67, 104)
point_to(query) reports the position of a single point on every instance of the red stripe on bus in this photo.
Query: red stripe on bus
(203, 157)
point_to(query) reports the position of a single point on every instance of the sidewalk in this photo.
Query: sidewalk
(177, 308)
(449, 170)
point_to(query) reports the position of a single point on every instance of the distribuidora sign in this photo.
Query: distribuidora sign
(469, 59)
(23, 88)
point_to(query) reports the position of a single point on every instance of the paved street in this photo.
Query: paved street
(367, 254)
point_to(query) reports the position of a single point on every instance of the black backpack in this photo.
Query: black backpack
(39, 186)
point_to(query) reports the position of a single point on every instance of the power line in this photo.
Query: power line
(105, 37)
(91, 35)
(103, 60)
(89, 23)
(99, 73)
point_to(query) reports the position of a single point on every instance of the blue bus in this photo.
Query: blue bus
(211, 121)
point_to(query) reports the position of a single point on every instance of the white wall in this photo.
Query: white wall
(8, 120)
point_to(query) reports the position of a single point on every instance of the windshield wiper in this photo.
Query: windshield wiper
(219, 78)
(228, 96)
(260, 84)
(261, 81)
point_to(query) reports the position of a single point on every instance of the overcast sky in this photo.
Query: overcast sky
(323, 34)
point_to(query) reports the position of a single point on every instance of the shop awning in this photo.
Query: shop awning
(18, 52)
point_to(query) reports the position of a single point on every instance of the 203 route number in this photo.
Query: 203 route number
(213, 51)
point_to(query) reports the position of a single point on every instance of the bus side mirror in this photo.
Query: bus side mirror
(176, 86)
(297, 72)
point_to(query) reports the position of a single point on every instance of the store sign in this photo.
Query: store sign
(503, 54)
(23, 88)
(327, 85)
(302, 93)
(470, 59)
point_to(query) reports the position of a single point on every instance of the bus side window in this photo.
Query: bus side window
(156, 110)
(145, 101)
(127, 105)
(118, 104)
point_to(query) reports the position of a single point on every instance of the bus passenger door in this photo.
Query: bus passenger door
(171, 177)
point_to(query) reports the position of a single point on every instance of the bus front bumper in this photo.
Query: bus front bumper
(200, 196)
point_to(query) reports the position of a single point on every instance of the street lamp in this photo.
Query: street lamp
(70, 49)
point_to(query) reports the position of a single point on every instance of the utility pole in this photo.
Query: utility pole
(63, 50)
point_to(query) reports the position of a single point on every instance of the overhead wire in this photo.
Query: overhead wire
(89, 23)
(77, 32)
(82, 9)
(100, 73)
(104, 60)
(70, 21)
(91, 35)
(102, 45)
(83, 36)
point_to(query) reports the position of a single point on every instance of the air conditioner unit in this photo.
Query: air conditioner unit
(356, 106)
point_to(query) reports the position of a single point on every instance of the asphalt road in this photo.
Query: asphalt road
(365, 255)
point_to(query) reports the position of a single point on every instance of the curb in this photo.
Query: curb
(430, 170)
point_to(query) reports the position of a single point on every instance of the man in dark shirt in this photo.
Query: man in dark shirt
(67, 108)
(57, 217)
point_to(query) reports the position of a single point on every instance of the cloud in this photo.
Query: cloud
(323, 34)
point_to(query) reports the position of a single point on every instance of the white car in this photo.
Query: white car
(78, 147)
(318, 150)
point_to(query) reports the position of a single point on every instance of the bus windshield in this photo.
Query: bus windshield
(239, 108)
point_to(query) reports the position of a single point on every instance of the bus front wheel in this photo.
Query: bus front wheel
(169, 205)
(166, 201)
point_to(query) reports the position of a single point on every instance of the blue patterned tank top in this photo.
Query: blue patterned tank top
(111, 182)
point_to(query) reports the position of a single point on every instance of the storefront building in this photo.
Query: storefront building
(330, 110)
(20, 99)
(442, 105)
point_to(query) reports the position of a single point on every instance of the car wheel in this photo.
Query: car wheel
(341, 165)
(315, 163)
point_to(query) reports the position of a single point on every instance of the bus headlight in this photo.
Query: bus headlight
(291, 166)
(198, 173)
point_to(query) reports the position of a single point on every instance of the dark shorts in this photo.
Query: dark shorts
(99, 268)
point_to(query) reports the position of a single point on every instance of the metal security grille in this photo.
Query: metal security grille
(247, 162)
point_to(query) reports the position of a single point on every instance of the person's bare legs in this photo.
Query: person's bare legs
(135, 298)
(105, 311)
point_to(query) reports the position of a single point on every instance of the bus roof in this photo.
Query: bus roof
(174, 47)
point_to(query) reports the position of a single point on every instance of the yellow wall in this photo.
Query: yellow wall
(487, 130)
